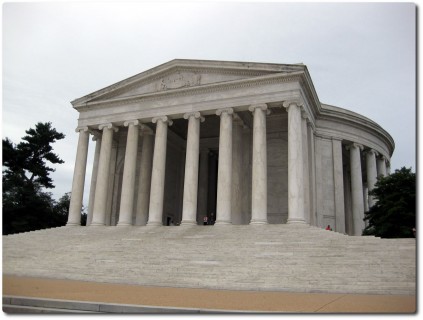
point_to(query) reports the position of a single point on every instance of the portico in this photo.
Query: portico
(240, 143)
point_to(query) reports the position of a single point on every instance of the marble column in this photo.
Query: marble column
(312, 177)
(237, 177)
(97, 139)
(306, 169)
(224, 175)
(189, 204)
(371, 173)
(203, 184)
(126, 209)
(381, 166)
(144, 182)
(114, 182)
(259, 167)
(356, 189)
(74, 217)
(155, 210)
(100, 197)
(338, 183)
(296, 212)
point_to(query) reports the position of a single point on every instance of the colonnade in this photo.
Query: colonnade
(151, 184)
(375, 166)
(152, 164)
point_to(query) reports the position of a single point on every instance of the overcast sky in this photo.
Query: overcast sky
(360, 56)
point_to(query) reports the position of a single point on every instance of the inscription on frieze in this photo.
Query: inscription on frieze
(179, 80)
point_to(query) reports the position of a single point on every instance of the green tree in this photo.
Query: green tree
(394, 214)
(26, 206)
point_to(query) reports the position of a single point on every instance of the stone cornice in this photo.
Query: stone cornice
(332, 113)
(329, 134)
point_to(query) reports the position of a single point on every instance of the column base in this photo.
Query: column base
(124, 224)
(97, 224)
(72, 224)
(223, 222)
(259, 222)
(188, 223)
(297, 222)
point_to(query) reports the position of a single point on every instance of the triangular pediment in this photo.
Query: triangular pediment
(180, 74)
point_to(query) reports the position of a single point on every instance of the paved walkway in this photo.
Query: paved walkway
(207, 299)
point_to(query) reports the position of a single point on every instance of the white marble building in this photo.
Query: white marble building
(240, 143)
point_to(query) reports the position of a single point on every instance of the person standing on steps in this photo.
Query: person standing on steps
(205, 219)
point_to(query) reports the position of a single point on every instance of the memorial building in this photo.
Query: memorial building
(233, 142)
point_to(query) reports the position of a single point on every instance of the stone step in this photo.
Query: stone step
(276, 257)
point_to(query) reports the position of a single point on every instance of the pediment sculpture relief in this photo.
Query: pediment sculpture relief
(179, 80)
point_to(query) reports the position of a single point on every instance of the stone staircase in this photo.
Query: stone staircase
(239, 257)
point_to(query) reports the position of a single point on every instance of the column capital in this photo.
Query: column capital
(354, 145)
(163, 119)
(229, 111)
(108, 126)
(196, 115)
(296, 102)
(370, 151)
(82, 128)
(262, 106)
(146, 130)
(131, 122)
(382, 157)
